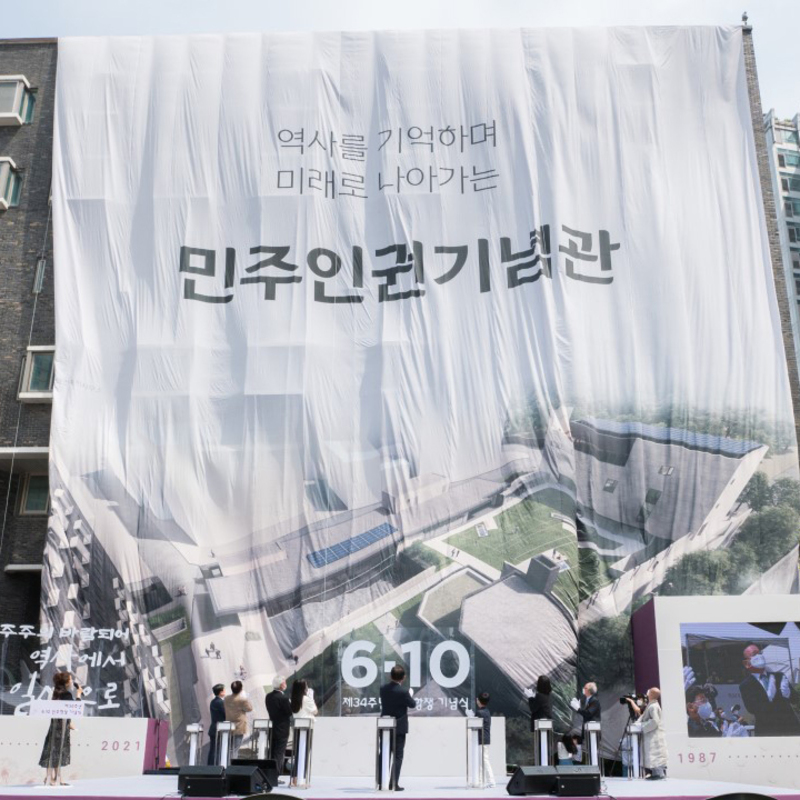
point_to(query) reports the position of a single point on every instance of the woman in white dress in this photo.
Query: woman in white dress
(303, 707)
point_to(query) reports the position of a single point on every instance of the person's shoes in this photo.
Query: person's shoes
(489, 785)
(399, 788)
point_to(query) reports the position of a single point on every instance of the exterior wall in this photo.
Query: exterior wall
(765, 174)
(774, 130)
(25, 232)
(25, 318)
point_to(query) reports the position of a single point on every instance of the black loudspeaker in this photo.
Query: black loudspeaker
(577, 781)
(743, 795)
(272, 797)
(532, 780)
(244, 780)
(268, 767)
(202, 781)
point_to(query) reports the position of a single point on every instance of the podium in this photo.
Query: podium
(542, 742)
(261, 731)
(195, 731)
(635, 737)
(384, 754)
(475, 777)
(223, 743)
(591, 737)
(301, 761)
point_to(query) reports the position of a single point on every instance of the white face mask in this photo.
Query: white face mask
(705, 711)
(758, 661)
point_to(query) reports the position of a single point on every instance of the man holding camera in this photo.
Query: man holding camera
(655, 743)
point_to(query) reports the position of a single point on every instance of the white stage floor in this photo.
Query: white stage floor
(162, 787)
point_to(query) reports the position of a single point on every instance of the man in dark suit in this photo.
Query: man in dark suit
(217, 709)
(588, 706)
(766, 695)
(279, 710)
(395, 702)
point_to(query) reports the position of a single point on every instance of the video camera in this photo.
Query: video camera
(639, 700)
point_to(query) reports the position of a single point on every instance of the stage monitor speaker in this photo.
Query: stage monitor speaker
(268, 766)
(577, 781)
(532, 780)
(743, 796)
(272, 796)
(248, 779)
(204, 781)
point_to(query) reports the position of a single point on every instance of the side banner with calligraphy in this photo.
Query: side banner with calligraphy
(441, 348)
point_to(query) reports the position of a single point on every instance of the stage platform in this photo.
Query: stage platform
(158, 787)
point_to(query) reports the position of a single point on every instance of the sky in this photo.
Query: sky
(776, 23)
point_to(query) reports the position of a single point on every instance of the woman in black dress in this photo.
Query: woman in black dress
(55, 753)
(539, 701)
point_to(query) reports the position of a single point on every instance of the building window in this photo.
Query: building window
(794, 233)
(666, 470)
(17, 100)
(786, 158)
(787, 136)
(610, 485)
(792, 208)
(789, 183)
(651, 498)
(35, 494)
(10, 184)
(36, 379)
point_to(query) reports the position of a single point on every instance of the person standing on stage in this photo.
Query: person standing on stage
(56, 750)
(279, 710)
(303, 707)
(237, 707)
(395, 702)
(217, 709)
(302, 702)
(588, 706)
(539, 701)
(485, 737)
(654, 742)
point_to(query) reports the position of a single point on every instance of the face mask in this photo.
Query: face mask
(758, 661)
(706, 710)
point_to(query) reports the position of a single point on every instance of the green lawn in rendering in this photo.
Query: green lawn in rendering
(525, 530)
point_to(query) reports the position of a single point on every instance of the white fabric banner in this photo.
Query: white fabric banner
(482, 322)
